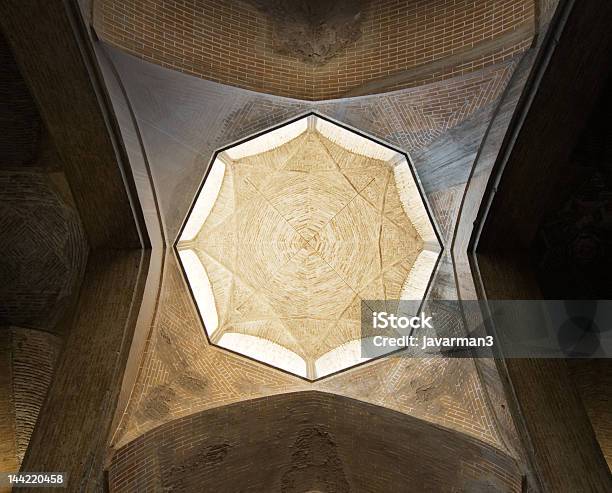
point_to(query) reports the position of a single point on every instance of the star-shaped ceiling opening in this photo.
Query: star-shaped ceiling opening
(291, 230)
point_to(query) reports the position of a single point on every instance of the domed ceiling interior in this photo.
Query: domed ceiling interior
(291, 231)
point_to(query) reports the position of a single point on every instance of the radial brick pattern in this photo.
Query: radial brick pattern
(290, 233)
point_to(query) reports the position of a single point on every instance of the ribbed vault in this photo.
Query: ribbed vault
(289, 235)
(181, 372)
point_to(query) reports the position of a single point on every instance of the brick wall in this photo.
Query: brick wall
(44, 252)
(34, 356)
(308, 441)
(44, 249)
(27, 362)
(229, 42)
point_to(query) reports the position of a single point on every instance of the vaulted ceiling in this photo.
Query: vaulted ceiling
(292, 231)
(153, 120)
(318, 50)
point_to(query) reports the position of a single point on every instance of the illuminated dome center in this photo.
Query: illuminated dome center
(291, 231)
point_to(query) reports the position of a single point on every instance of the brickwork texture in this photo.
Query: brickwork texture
(311, 441)
(230, 42)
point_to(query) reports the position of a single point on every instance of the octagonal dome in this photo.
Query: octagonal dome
(291, 230)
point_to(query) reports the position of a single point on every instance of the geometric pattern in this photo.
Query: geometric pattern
(291, 231)
(182, 372)
(44, 250)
